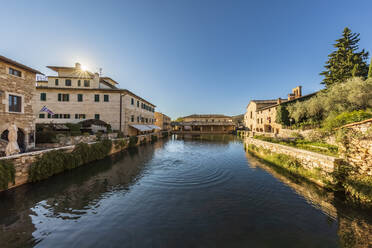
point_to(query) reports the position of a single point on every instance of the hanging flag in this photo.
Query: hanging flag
(45, 109)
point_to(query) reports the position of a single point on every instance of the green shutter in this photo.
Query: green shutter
(59, 97)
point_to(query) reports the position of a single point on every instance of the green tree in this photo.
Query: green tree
(370, 70)
(346, 61)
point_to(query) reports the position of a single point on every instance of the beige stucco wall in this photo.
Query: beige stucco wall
(109, 111)
(20, 86)
(136, 111)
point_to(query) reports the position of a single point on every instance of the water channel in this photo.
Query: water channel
(180, 192)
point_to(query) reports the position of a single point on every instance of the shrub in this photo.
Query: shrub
(120, 134)
(133, 140)
(282, 115)
(74, 129)
(120, 144)
(344, 118)
(7, 173)
(154, 138)
(55, 162)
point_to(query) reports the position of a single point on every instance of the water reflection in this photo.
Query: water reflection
(201, 191)
(354, 224)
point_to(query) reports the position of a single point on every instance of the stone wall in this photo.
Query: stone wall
(356, 145)
(22, 162)
(308, 159)
(23, 87)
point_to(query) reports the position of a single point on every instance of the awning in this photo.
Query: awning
(144, 128)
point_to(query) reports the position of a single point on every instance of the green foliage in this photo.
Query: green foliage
(120, 144)
(346, 61)
(179, 119)
(282, 115)
(55, 162)
(120, 134)
(154, 138)
(74, 129)
(359, 188)
(7, 174)
(370, 70)
(46, 136)
(354, 94)
(133, 140)
(345, 118)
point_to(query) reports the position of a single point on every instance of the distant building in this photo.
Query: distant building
(210, 123)
(163, 121)
(75, 95)
(260, 115)
(17, 86)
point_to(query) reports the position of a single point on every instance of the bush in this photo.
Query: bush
(345, 118)
(120, 144)
(46, 136)
(154, 138)
(354, 94)
(120, 134)
(133, 140)
(55, 162)
(7, 174)
(74, 129)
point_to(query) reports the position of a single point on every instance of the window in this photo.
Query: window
(96, 98)
(147, 120)
(68, 82)
(132, 118)
(15, 72)
(96, 116)
(55, 116)
(42, 96)
(142, 119)
(63, 97)
(86, 83)
(49, 116)
(132, 101)
(79, 82)
(80, 97)
(138, 118)
(105, 98)
(15, 103)
(56, 81)
(66, 116)
(41, 116)
(137, 104)
(251, 115)
(79, 116)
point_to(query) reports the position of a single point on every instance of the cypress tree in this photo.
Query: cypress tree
(346, 61)
(370, 70)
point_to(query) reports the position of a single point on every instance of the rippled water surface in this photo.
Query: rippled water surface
(182, 192)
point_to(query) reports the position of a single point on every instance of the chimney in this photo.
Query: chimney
(279, 101)
(297, 92)
(78, 66)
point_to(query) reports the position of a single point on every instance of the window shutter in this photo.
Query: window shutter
(59, 97)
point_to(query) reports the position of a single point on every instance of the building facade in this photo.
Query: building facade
(75, 95)
(163, 121)
(210, 123)
(260, 115)
(17, 86)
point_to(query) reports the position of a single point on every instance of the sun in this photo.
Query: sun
(84, 68)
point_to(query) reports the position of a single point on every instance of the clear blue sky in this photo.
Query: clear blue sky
(189, 56)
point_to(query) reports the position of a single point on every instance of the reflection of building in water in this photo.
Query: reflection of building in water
(354, 225)
(68, 194)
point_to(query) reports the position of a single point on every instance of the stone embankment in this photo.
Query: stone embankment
(308, 159)
(22, 162)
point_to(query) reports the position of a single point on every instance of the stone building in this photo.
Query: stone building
(163, 121)
(17, 86)
(75, 95)
(260, 115)
(210, 123)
